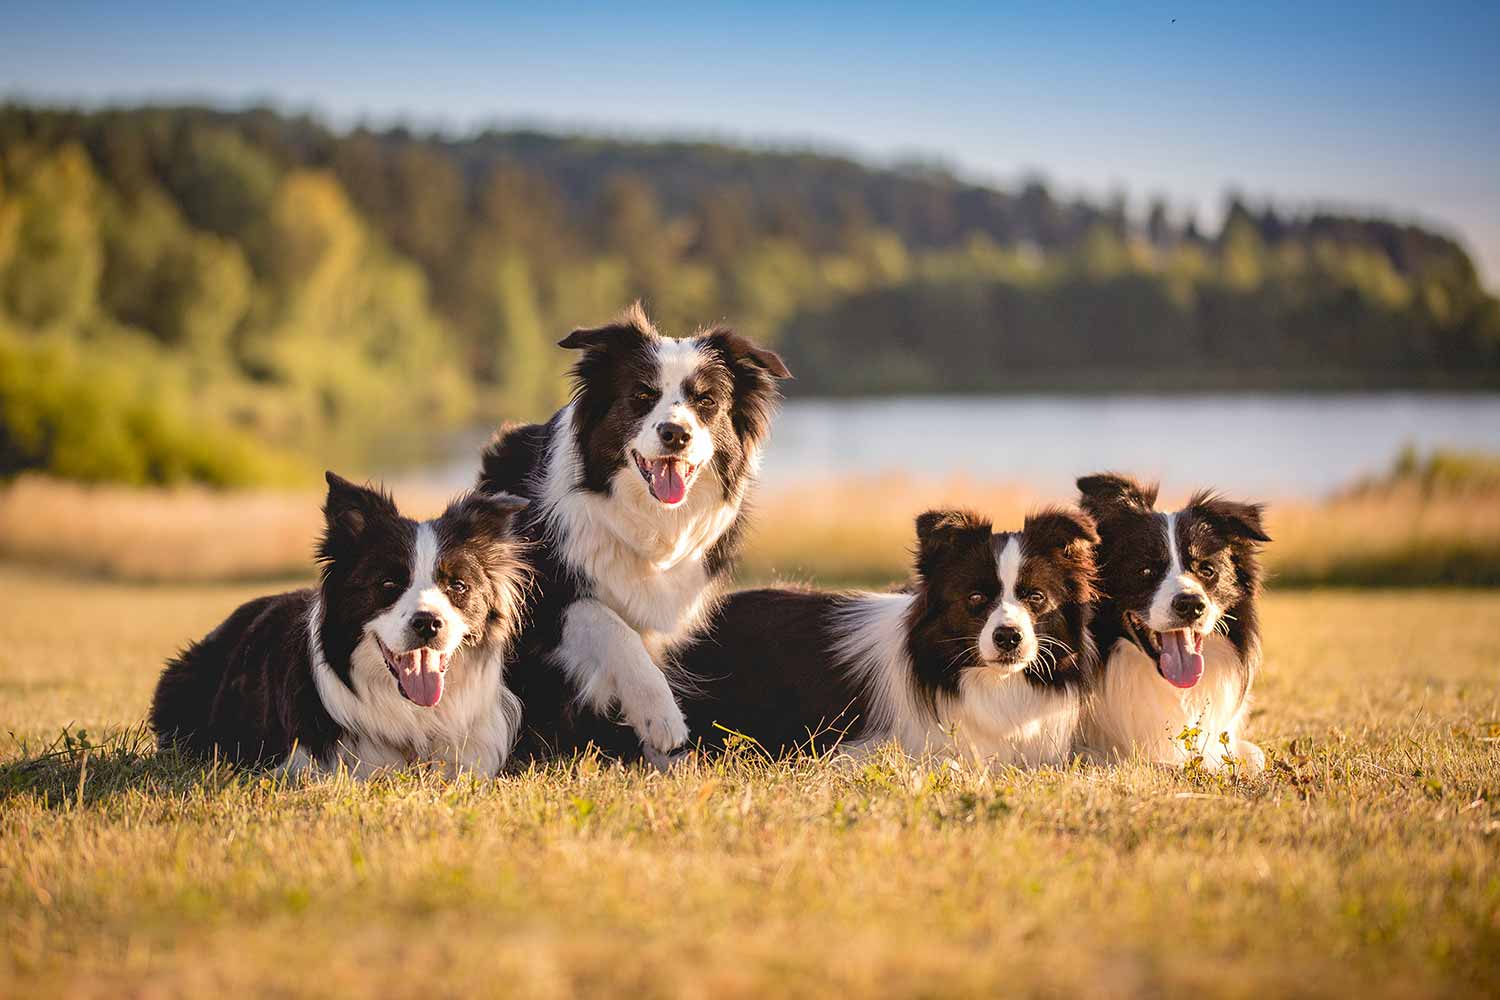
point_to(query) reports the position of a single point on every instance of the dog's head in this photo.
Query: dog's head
(1007, 602)
(1174, 578)
(668, 410)
(415, 592)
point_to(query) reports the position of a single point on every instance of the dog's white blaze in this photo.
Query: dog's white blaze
(1010, 610)
(677, 360)
(1178, 580)
(474, 726)
(996, 719)
(421, 594)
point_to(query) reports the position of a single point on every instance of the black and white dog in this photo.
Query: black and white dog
(986, 655)
(397, 657)
(1177, 625)
(639, 488)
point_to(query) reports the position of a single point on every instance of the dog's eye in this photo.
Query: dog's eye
(389, 584)
(458, 587)
(644, 394)
(1146, 571)
(1035, 598)
(705, 400)
(1207, 570)
(976, 599)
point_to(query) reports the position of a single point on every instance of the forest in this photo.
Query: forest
(227, 297)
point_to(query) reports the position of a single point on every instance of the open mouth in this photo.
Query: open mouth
(1178, 653)
(418, 672)
(668, 479)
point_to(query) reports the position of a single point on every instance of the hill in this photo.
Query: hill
(188, 293)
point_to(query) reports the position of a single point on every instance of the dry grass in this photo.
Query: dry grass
(1365, 862)
(855, 530)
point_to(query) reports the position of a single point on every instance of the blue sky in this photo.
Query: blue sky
(1394, 108)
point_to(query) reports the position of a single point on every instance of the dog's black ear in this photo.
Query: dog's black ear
(628, 331)
(739, 351)
(1072, 535)
(488, 514)
(348, 511)
(1231, 518)
(941, 533)
(1058, 529)
(1110, 493)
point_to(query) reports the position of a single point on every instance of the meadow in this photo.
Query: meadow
(1364, 860)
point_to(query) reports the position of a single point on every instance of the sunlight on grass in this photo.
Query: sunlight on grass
(1363, 861)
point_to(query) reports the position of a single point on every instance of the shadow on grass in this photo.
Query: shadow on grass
(76, 770)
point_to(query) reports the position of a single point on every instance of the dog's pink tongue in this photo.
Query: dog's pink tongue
(1181, 658)
(667, 484)
(422, 676)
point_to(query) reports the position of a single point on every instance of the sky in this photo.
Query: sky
(1389, 108)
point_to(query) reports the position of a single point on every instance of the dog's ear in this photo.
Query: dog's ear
(941, 533)
(1110, 493)
(487, 514)
(1232, 519)
(628, 331)
(740, 352)
(1056, 529)
(1072, 535)
(348, 512)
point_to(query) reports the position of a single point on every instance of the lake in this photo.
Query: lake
(1260, 445)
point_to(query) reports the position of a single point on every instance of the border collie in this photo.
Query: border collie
(639, 487)
(985, 656)
(395, 658)
(1177, 625)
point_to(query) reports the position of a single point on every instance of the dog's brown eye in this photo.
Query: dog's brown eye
(1147, 571)
(458, 587)
(705, 400)
(1035, 598)
(976, 599)
(644, 394)
(389, 584)
(1207, 570)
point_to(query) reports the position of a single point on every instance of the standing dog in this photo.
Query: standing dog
(985, 656)
(396, 657)
(639, 487)
(1177, 626)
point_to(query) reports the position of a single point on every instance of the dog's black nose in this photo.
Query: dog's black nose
(1189, 605)
(1007, 638)
(426, 624)
(673, 436)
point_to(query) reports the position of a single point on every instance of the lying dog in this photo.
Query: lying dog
(397, 657)
(985, 656)
(1177, 626)
(639, 487)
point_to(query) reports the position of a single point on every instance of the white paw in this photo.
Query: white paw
(665, 762)
(652, 712)
(1252, 758)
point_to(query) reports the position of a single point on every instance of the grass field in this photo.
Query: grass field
(1366, 861)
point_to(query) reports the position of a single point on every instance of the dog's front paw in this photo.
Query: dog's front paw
(665, 762)
(1251, 757)
(652, 712)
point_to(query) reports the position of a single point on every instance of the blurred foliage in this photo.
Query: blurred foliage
(357, 296)
(1442, 471)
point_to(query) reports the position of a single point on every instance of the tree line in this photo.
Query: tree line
(188, 293)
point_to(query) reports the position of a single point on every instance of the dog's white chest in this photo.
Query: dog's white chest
(1136, 710)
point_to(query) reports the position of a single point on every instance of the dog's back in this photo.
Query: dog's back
(512, 459)
(245, 692)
